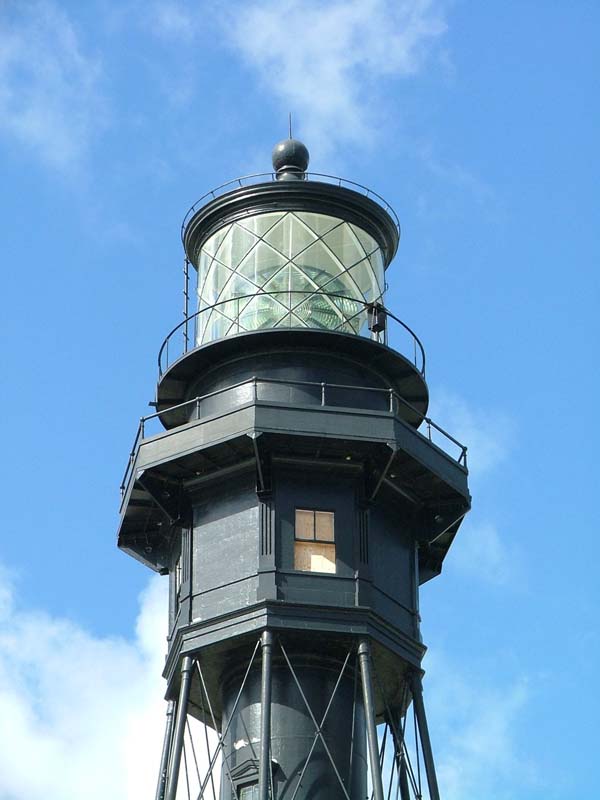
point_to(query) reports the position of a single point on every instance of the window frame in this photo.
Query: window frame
(331, 542)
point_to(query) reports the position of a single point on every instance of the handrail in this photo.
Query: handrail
(249, 180)
(164, 349)
(412, 333)
(393, 396)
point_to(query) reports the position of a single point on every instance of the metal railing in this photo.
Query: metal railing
(352, 319)
(393, 404)
(264, 177)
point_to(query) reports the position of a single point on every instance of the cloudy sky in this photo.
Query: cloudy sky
(478, 122)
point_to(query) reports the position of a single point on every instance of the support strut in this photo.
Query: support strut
(264, 764)
(187, 666)
(364, 659)
(417, 694)
(164, 759)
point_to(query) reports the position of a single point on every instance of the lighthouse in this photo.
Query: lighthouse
(297, 494)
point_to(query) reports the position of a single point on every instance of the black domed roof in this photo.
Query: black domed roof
(290, 155)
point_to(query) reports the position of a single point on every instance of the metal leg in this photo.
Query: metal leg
(184, 696)
(164, 759)
(417, 693)
(264, 764)
(364, 659)
(403, 778)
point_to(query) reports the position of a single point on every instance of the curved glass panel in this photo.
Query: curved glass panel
(287, 269)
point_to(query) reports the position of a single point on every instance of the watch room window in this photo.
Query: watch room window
(248, 792)
(314, 541)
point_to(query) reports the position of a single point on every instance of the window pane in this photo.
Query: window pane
(249, 792)
(314, 557)
(324, 526)
(305, 524)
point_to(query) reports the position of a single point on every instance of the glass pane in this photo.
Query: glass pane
(216, 278)
(261, 263)
(262, 312)
(301, 236)
(305, 524)
(324, 526)
(361, 274)
(261, 223)
(301, 281)
(344, 244)
(378, 270)
(279, 283)
(319, 223)
(240, 242)
(238, 287)
(369, 244)
(213, 243)
(319, 257)
(314, 557)
(319, 311)
(280, 236)
(249, 792)
(297, 268)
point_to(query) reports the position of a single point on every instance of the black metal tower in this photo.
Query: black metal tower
(292, 499)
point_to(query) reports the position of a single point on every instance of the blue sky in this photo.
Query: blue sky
(478, 122)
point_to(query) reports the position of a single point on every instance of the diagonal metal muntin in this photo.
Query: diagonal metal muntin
(185, 768)
(259, 239)
(207, 743)
(221, 736)
(318, 732)
(214, 721)
(312, 716)
(190, 737)
(344, 270)
(400, 746)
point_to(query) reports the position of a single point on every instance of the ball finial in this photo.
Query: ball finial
(290, 157)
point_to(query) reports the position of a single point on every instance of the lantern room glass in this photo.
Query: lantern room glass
(292, 269)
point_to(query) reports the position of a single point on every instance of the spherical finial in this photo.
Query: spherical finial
(290, 156)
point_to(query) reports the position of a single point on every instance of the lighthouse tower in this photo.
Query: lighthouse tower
(296, 493)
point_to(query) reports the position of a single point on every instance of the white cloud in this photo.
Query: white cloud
(488, 434)
(481, 553)
(80, 716)
(480, 550)
(170, 19)
(455, 174)
(475, 723)
(49, 98)
(326, 61)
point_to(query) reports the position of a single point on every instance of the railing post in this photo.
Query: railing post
(323, 393)
(186, 300)
(391, 392)
(142, 427)
(197, 408)
(428, 428)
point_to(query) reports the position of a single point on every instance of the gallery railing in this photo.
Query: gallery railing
(289, 309)
(320, 395)
(265, 177)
